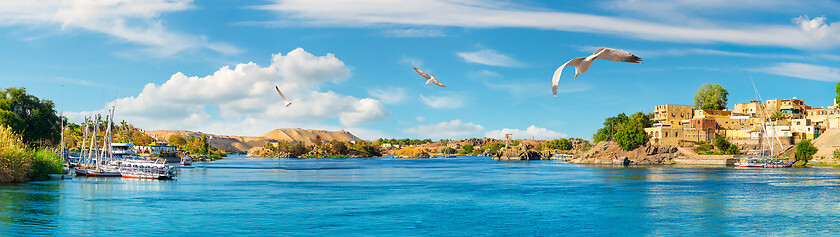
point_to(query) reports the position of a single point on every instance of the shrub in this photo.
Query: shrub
(45, 162)
(733, 150)
(805, 150)
(15, 160)
(721, 143)
(837, 152)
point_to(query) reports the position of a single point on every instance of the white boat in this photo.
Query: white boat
(144, 169)
(764, 157)
(186, 160)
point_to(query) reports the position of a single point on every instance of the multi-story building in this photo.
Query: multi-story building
(672, 114)
(707, 113)
(791, 108)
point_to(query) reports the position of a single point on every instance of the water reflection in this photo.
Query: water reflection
(29, 209)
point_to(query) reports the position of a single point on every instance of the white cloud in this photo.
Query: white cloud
(443, 102)
(498, 13)
(246, 102)
(803, 71)
(818, 29)
(679, 52)
(454, 128)
(532, 131)
(489, 57)
(414, 33)
(133, 21)
(388, 96)
(414, 62)
(420, 119)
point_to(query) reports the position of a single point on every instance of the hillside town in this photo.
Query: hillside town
(789, 120)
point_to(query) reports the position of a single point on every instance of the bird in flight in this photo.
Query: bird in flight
(582, 64)
(282, 96)
(429, 78)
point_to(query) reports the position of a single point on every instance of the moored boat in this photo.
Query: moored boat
(186, 160)
(142, 169)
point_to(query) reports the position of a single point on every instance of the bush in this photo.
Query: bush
(805, 151)
(408, 151)
(733, 150)
(837, 152)
(721, 143)
(15, 160)
(45, 162)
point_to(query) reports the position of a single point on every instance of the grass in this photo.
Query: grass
(18, 163)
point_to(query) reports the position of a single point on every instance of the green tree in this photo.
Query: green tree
(318, 140)
(805, 151)
(777, 116)
(837, 98)
(710, 96)
(40, 121)
(467, 149)
(177, 140)
(631, 136)
(733, 150)
(338, 148)
(721, 143)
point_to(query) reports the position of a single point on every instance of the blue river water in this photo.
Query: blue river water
(244, 196)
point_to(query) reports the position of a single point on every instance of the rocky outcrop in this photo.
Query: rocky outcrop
(608, 152)
(262, 152)
(521, 152)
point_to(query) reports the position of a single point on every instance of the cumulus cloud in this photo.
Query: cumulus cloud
(388, 96)
(443, 102)
(532, 131)
(454, 128)
(500, 13)
(803, 71)
(246, 101)
(818, 30)
(133, 21)
(489, 57)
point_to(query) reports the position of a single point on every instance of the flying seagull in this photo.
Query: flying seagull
(429, 79)
(282, 96)
(582, 64)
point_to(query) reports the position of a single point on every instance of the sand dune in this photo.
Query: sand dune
(238, 144)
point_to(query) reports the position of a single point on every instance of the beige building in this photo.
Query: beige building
(672, 114)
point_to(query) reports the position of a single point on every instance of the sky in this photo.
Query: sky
(211, 66)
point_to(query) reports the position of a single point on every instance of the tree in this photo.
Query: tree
(733, 150)
(721, 143)
(177, 140)
(710, 96)
(467, 149)
(631, 136)
(40, 121)
(837, 98)
(448, 150)
(805, 151)
(777, 116)
(318, 140)
(338, 148)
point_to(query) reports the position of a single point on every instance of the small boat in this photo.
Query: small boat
(144, 169)
(186, 160)
(562, 157)
(450, 156)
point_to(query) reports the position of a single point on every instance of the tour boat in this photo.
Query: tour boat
(450, 156)
(186, 160)
(143, 169)
(561, 157)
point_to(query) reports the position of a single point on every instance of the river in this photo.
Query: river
(441, 197)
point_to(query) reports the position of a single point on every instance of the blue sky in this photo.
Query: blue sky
(212, 65)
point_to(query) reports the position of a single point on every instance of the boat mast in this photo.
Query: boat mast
(92, 150)
(84, 141)
(763, 125)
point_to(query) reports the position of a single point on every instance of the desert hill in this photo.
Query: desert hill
(240, 144)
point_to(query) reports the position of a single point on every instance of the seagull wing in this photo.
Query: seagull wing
(616, 55)
(422, 73)
(556, 79)
(281, 93)
(436, 82)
